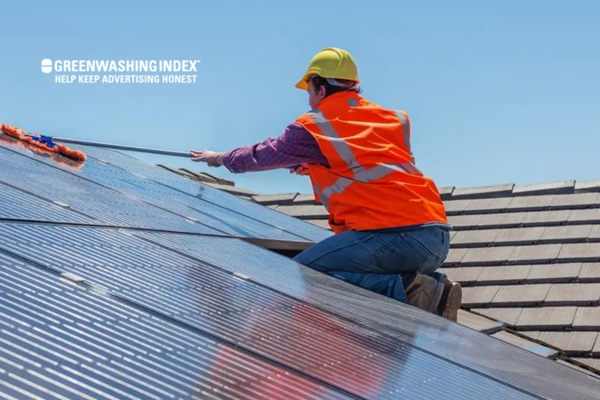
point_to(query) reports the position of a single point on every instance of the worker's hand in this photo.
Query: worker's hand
(212, 158)
(300, 170)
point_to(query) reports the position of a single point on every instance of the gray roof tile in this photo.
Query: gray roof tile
(455, 256)
(305, 198)
(535, 254)
(283, 198)
(562, 187)
(580, 252)
(590, 271)
(546, 318)
(594, 234)
(478, 322)
(488, 255)
(519, 235)
(483, 191)
(526, 344)
(509, 316)
(320, 223)
(587, 318)
(570, 342)
(474, 237)
(577, 200)
(547, 217)
(446, 192)
(305, 211)
(589, 215)
(574, 293)
(456, 206)
(522, 295)
(531, 203)
(554, 272)
(587, 186)
(477, 296)
(506, 274)
(567, 233)
(492, 205)
(464, 274)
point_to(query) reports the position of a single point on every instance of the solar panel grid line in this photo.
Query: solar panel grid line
(119, 371)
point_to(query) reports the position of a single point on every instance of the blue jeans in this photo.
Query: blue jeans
(384, 263)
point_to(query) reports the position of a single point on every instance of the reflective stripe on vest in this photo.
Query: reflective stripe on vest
(361, 174)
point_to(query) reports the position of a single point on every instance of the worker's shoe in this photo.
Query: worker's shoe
(451, 300)
(425, 293)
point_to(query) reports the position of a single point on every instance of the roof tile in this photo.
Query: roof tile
(519, 235)
(587, 318)
(483, 191)
(567, 233)
(305, 198)
(535, 254)
(474, 237)
(522, 295)
(526, 344)
(477, 296)
(587, 186)
(531, 203)
(577, 200)
(546, 318)
(478, 322)
(590, 215)
(581, 293)
(590, 271)
(509, 316)
(446, 192)
(283, 198)
(547, 217)
(455, 256)
(499, 204)
(580, 252)
(562, 187)
(305, 211)
(488, 255)
(554, 272)
(462, 275)
(456, 206)
(506, 274)
(570, 342)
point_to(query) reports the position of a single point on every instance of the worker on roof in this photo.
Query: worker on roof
(390, 225)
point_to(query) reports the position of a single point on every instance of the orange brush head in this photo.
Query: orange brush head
(43, 143)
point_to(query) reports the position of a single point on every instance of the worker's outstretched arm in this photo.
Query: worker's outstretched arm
(294, 147)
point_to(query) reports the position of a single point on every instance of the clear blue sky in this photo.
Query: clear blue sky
(498, 93)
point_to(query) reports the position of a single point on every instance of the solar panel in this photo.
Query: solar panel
(150, 313)
(208, 194)
(93, 195)
(62, 341)
(253, 318)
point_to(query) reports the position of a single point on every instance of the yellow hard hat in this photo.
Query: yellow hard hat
(331, 62)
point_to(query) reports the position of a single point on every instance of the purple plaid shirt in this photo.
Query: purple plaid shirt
(295, 146)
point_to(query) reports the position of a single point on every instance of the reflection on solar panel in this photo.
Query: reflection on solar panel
(119, 296)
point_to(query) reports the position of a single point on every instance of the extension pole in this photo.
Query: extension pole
(123, 147)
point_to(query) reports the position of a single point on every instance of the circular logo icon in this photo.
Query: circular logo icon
(46, 65)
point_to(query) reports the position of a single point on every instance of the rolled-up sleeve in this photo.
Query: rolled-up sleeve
(295, 146)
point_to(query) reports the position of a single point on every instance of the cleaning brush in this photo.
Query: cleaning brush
(43, 142)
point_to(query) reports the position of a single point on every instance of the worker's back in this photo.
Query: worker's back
(372, 182)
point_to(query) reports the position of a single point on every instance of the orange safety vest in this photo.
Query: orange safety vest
(372, 182)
